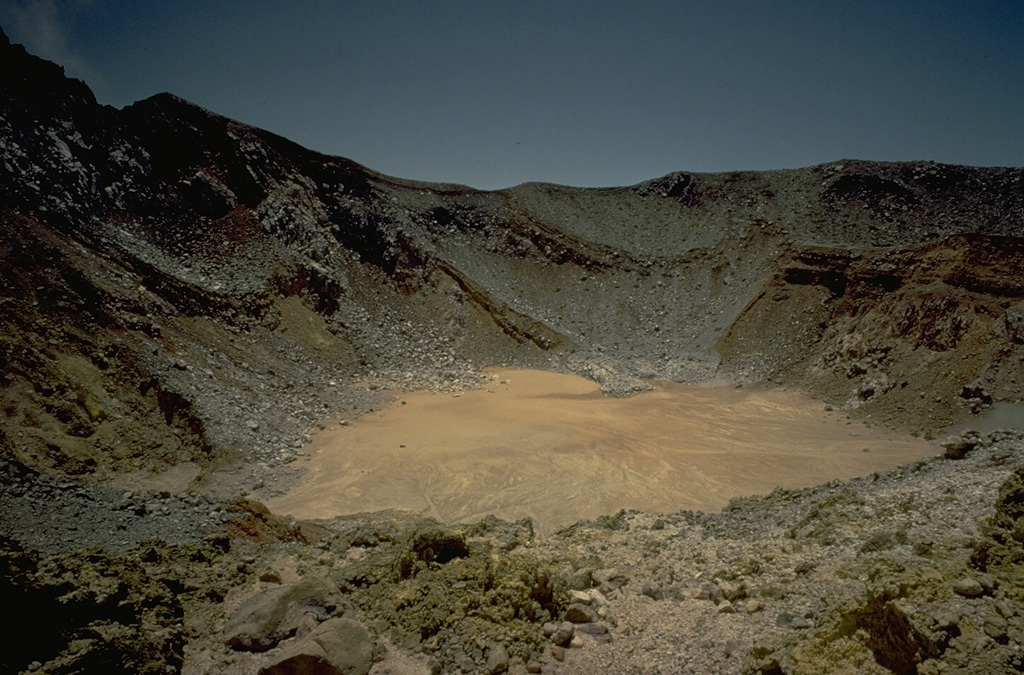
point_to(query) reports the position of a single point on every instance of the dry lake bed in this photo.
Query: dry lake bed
(550, 447)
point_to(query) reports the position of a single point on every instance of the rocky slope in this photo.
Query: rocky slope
(184, 296)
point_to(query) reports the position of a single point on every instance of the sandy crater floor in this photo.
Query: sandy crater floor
(551, 447)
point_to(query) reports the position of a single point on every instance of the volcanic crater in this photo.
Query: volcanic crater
(266, 410)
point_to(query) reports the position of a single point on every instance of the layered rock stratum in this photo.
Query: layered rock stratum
(184, 297)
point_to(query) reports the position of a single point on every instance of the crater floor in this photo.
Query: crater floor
(550, 447)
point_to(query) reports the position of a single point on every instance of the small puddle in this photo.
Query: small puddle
(1001, 415)
(550, 447)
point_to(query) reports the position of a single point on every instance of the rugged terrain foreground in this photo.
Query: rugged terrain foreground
(184, 297)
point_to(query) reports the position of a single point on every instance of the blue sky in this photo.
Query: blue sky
(491, 94)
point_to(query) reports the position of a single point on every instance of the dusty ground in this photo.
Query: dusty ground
(550, 447)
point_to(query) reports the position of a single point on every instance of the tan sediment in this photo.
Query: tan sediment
(549, 447)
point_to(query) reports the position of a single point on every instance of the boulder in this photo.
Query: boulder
(579, 597)
(708, 591)
(563, 634)
(577, 613)
(266, 619)
(581, 579)
(609, 579)
(592, 628)
(957, 446)
(497, 660)
(733, 590)
(968, 587)
(652, 591)
(337, 647)
(597, 597)
(787, 619)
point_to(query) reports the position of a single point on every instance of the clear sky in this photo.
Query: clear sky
(594, 93)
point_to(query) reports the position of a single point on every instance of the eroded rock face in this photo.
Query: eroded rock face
(893, 332)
